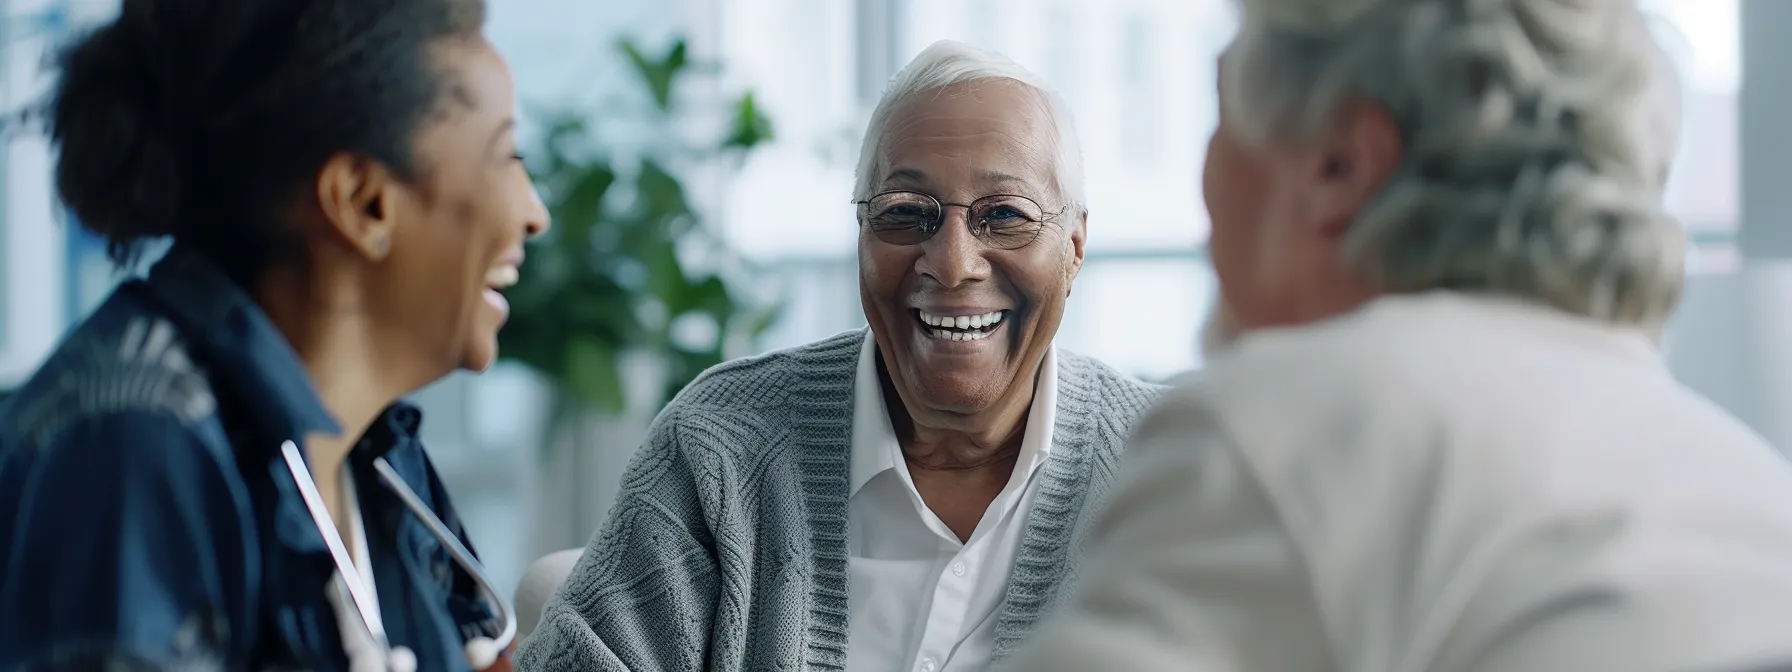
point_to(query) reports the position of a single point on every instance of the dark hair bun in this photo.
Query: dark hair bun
(123, 165)
(197, 118)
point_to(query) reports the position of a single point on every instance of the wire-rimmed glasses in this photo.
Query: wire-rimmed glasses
(1001, 221)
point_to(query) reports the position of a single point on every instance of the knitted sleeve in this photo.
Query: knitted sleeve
(643, 595)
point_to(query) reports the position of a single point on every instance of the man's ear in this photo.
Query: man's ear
(1078, 235)
(1356, 162)
(355, 194)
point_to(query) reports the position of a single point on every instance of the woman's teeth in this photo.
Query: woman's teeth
(501, 277)
(961, 327)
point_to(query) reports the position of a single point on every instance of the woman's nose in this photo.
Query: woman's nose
(537, 221)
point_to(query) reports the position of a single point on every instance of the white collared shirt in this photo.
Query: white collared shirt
(922, 601)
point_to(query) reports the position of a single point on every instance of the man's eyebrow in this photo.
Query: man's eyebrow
(911, 175)
(999, 177)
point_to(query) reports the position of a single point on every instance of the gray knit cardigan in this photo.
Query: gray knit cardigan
(726, 549)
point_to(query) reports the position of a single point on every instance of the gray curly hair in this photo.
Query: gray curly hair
(1538, 136)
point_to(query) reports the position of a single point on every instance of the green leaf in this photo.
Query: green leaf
(658, 194)
(750, 127)
(658, 75)
(582, 207)
(676, 56)
(711, 296)
(666, 278)
(592, 376)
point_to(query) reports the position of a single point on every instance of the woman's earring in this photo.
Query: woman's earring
(382, 245)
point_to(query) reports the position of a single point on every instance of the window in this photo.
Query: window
(1140, 104)
(1701, 37)
(988, 28)
(879, 31)
(33, 311)
(1063, 49)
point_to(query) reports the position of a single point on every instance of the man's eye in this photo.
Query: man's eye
(905, 211)
(899, 222)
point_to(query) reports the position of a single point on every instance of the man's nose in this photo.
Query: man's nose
(953, 256)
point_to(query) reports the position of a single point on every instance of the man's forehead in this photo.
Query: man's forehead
(987, 161)
(996, 99)
(921, 127)
(1014, 114)
(983, 127)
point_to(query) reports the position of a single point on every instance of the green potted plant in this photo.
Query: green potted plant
(614, 275)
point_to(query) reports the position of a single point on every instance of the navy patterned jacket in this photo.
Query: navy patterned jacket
(150, 522)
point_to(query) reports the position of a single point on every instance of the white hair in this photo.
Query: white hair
(947, 63)
(1537, 138)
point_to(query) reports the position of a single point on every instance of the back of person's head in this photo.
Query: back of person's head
(199, 119)
(1537, 136)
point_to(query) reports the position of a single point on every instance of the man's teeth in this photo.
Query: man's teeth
(959, 335)
(962, 321)
(961, 327)
(501, 277)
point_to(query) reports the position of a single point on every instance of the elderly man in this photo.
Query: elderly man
(894, 499)
(1445, 440)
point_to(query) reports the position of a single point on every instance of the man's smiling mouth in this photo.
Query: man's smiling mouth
(960, 327)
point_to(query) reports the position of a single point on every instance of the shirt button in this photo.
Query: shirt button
(958, 569)
(927, 665)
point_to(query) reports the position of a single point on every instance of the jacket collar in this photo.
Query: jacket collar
(244, 350)
(393, 435)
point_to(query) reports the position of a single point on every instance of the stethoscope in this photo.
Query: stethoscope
(481, 652)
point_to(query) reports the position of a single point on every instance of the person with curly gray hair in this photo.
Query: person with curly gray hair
(1441, 437)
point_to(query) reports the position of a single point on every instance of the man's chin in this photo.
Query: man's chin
(961, 391)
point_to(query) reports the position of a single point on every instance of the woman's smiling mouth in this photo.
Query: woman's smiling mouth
(496, 281)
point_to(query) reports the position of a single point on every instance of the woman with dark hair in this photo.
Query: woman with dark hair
(185, 477)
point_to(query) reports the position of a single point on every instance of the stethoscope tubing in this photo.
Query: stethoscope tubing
(462, 556)
(365, 606)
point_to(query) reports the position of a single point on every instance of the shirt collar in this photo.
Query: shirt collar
(399, 425)
(394, 436)
(241, 345)
(873, 437)
(874, 447)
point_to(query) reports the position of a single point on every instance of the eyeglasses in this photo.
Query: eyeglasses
(1001, 221)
